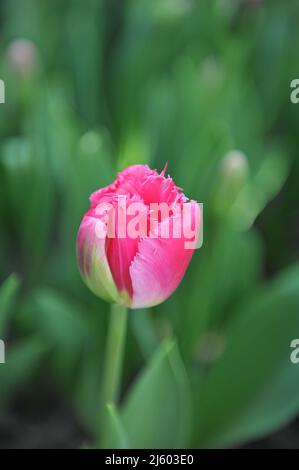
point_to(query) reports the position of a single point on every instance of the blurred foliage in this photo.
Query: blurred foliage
(204, 85)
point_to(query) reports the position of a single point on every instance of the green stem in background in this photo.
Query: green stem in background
(113, 360)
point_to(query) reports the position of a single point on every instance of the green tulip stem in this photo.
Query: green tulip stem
(113, 360)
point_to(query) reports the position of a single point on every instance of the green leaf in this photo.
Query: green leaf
(229, 267)
(253, 388)
(156, 413)
(61, 323)
(21, 362)
(143, 328)
(29, 186)
(7, 294)
(116, 435)
(265, 184)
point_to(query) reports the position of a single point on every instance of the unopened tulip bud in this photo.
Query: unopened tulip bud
(22, 56)
(232, 178)
(137, 239)
(234, 166)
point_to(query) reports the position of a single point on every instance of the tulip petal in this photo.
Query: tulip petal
(120, 253)
(97, 196)
(92, 259)
(158, 267)
(157, 270)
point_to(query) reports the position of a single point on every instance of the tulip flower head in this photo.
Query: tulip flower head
(23, 56)
(137, 239)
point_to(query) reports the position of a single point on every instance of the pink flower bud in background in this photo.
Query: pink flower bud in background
(22, 55)
(137, 239)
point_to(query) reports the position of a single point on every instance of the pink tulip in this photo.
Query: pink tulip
(137, 260)
(23, 56)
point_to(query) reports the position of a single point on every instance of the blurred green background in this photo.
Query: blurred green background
(91, 87)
